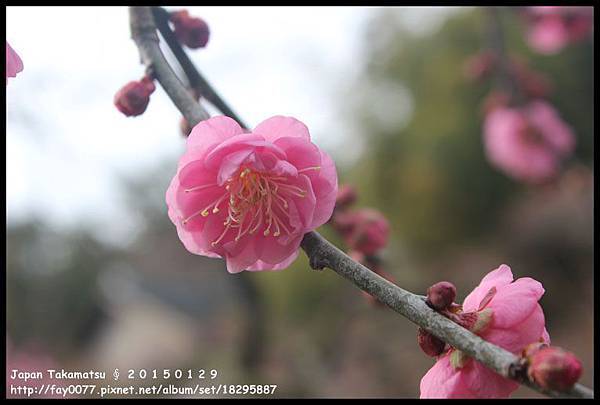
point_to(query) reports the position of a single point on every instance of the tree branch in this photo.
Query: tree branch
(195, 78)
(143, 32)
(496, 42)
(322, 253)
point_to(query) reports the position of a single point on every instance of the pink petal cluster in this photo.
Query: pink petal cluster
(250, 197)
(551, 28)
(527, 143)
(517, 320)
(14, 64)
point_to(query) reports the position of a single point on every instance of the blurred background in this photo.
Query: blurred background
(97, 278)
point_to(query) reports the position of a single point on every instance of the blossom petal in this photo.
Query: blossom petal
(213, 130)
(515, 338)
(514, 302)
(14, 64)
(272, 252)
(485, 383)
(325, 188)
(496, 278)
(443, 381)
(263, 266)
(279, 126)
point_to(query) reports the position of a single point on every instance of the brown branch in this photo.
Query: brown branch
(195, 78)
(143, 32)
(505, 76)
(322, 253)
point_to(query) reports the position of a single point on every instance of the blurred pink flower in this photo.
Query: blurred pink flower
(250, 197)
(516, 320)
(365, 230)
(31, 360)
(527, 143)
(553, 27)
(14, 64)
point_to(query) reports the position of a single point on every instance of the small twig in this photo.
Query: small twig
(322, 253)
(496, 43)
(195, 78)
(143, 32)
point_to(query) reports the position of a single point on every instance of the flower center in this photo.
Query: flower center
(532, 136)
(254, 201)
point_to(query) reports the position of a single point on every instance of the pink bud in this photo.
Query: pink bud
(193, 32)
(431, 345)
(554, 368)
(346, 196)
(441, 295)
(133, 98)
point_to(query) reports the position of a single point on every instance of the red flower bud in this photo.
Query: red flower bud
(133, 98)
(346, 196)
(554, 368)
(193, 32)
(431, 345)
(441, 295)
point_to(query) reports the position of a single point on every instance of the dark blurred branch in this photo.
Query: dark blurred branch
(497, 45)
(322, 253)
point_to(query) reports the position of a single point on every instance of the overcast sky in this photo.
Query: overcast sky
(67, 145)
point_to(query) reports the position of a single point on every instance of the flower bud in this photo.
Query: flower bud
(133, 98)
(346, 196)
(192, 32)
(441, 295)
(431, 345)
(554, 368)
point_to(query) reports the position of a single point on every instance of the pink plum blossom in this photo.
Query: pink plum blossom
(551, 28)
(14, 64)
(514, 320)
(249, 197)
(527, 143)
